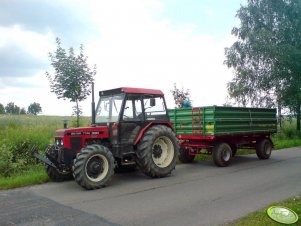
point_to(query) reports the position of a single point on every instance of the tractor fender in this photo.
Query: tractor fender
(168, 124)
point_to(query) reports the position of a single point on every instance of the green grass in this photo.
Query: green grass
(34, 175)
(260, 218)
(287, 143)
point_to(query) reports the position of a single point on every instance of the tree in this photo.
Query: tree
(72, 75)
(11, 108)
(2, 109)
(180, 96)
(34, 108)
(266, 57)
(22, 111)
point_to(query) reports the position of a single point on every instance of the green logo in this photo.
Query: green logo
(282, 214)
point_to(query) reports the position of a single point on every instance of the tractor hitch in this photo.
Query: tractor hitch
(47, 161)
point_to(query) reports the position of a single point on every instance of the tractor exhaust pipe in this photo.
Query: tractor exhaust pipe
(93, 105)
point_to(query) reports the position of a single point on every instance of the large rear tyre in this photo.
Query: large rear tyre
(264, 148)
(184, 156)
(56, 175)
(157, 152)
(94, 167)
(222, 154)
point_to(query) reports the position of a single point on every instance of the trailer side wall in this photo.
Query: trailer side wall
(216, 120)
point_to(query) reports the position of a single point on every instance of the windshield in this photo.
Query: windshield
(108, 108)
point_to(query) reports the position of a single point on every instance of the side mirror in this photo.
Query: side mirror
(152, 102)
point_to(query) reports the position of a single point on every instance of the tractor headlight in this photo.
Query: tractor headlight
(57, 142)
(62, 142)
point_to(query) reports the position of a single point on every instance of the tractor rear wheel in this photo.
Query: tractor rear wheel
(264, 148)
(94, 167)
(222, 154)
(157, 152)
(184, 156)
(56, 175)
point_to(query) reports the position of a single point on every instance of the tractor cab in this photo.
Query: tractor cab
(126, 111)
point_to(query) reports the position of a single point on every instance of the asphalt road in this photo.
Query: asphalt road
(195, 194)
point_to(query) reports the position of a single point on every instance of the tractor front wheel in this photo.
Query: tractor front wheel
(157, 152)
(94, 167)
(56, 175)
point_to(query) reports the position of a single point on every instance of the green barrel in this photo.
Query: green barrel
(216, 120)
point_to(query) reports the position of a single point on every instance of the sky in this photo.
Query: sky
(134, 43)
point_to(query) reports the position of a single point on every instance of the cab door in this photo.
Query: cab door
(132, 120)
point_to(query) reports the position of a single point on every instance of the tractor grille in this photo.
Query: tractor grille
(76, 143)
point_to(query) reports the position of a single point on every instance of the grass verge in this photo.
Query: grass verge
(34, 175)
(287, 143)
(260, 218)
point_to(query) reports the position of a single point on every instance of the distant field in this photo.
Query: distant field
(34, 120)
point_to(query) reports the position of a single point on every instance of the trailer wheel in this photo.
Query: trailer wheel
(157, 152)
(184, 156)
(94, 167)
(222, 154)
(56, 175)
(264, 148)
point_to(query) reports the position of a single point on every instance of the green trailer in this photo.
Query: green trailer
(222, 130)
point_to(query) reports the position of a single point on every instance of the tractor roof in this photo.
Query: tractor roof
(131, 90)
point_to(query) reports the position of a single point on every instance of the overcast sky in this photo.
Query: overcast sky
(134, 43)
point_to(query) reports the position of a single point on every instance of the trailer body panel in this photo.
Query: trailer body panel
(214, 121)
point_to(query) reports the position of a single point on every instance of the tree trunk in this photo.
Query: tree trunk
(77, 114)
(298, 115)
(279, 115)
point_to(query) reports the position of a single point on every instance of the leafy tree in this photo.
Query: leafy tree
(34, 108)
(22, 111)
(2, 109)
(72, 75)
(266, 57)
(181, 96)
(11, 108)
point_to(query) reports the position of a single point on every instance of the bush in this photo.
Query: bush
(6, 161)
(19, 134)
(16, 145)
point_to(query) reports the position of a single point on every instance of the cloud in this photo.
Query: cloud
(137, 50)
(66, 18)
(132, 46)
(15, 61)
(22, 53)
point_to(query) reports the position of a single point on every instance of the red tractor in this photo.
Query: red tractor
(130, 127)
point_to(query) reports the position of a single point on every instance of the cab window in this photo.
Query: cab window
(154, 107)
(132, 110)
